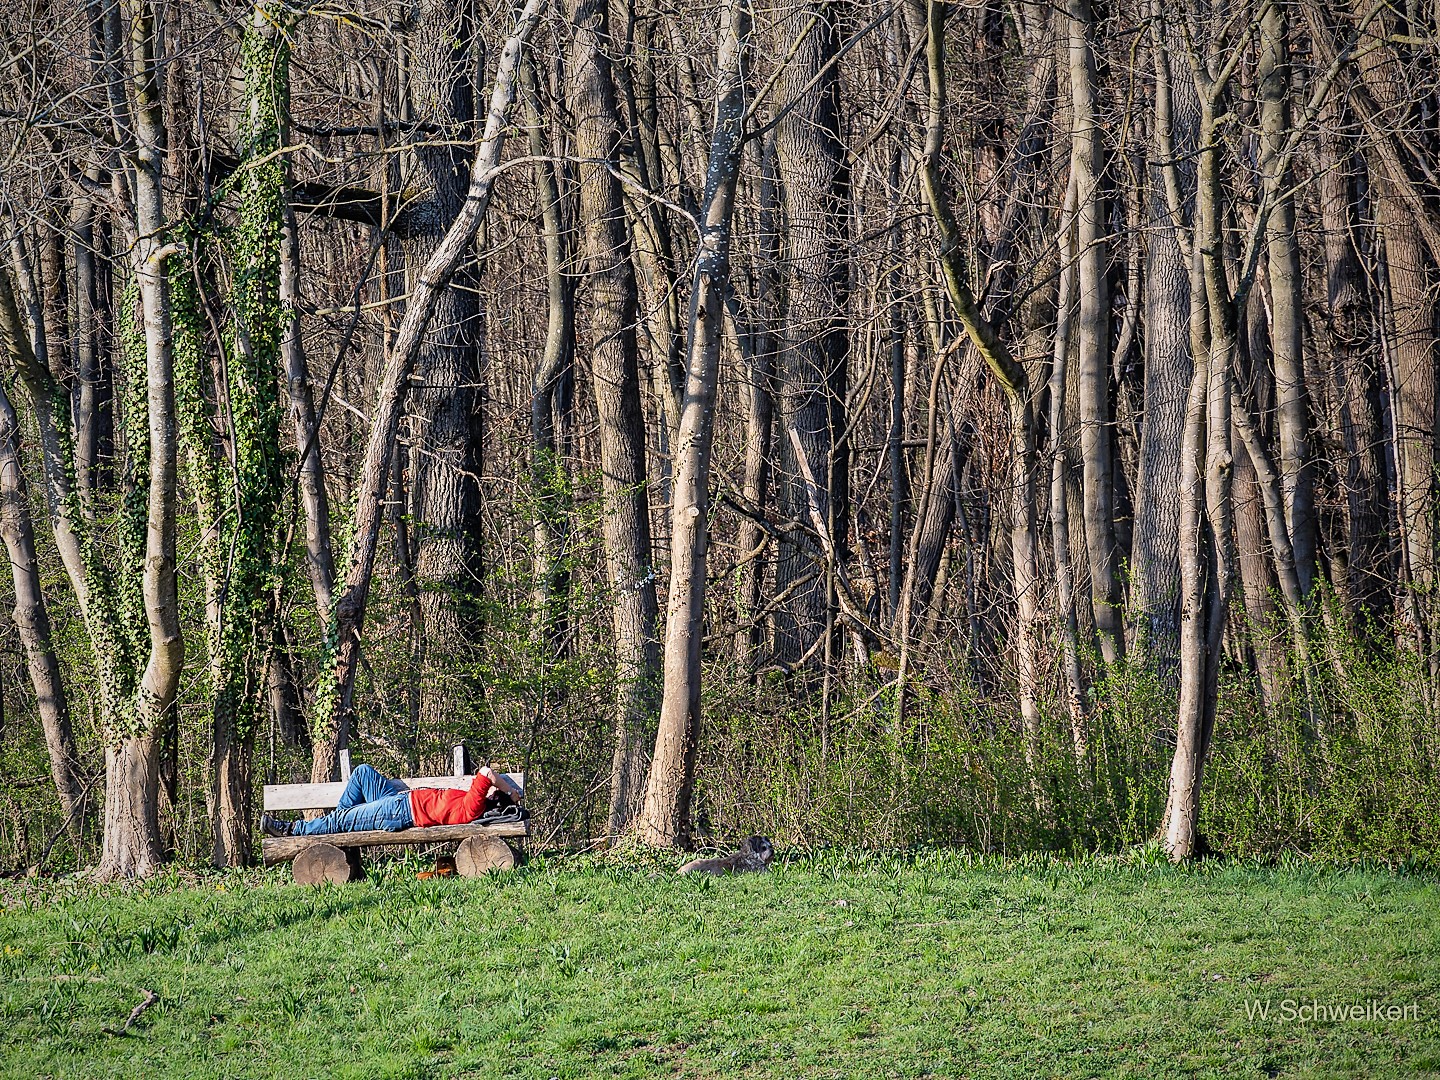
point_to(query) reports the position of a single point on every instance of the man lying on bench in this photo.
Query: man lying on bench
(374, 801)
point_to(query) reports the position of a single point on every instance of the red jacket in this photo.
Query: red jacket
(449, 806)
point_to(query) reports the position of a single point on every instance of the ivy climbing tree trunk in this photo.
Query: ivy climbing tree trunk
(243, 541)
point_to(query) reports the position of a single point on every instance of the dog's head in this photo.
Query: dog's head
(760, 847)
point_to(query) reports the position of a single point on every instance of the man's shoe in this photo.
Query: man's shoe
(274, 826)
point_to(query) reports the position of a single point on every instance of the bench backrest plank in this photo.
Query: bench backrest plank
(326, 796)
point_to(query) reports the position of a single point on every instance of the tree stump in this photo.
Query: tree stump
(323, 862)
(478, 854)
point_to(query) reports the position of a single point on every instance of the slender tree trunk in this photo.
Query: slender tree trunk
(1097, 443)
(614, 364)
(552, 390)
(1077, 696)
(753, 542)
(92, 390)
(1287, 318)
(665, 821)
(1013, 380)
(32, 621)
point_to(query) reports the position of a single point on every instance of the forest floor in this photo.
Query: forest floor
(828, 966)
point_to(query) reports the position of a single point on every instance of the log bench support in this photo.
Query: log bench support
(335, 857)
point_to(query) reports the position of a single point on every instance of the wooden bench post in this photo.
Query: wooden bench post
(459, 755)
(344, 765)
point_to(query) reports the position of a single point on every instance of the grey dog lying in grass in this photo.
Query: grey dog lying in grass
(754, 855)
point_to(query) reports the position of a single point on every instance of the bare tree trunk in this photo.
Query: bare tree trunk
(445, 454)
(614, 363)
(552, 390)
(1077, 696)
(92, 389)
(753, 541)
(1097, 444)
(314, 495)
(1258, 585)
(1013, 379)
(1287, 318)
(1350, 339)
(814, 359)
(1205, 489)
(32, 619)
(665, 821)
(1156, 599)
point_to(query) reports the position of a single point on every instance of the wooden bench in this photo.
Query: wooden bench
(336, 856)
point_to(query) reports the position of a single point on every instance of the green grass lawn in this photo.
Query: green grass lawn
(829, 966)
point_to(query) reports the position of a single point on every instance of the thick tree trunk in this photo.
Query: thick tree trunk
(132, 825)
(446, 450)
(1408, 329)
(1156, 598)
(665, 821)
(814, 357)
(614, 362)
(1350, 339)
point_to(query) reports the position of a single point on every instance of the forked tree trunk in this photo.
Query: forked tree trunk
(665, 821)
(132, 834)
(1206, 505)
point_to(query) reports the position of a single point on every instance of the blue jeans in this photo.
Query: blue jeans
(369, 801)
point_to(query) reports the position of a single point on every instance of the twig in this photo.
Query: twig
(150, 999)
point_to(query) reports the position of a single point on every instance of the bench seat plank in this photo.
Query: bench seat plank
(278, 849)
